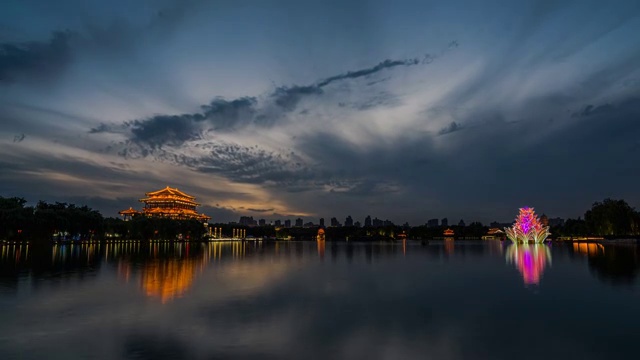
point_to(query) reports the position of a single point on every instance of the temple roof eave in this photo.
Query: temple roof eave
(158, 199)
(170, 191)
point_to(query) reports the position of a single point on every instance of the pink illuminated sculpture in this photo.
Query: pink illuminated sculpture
(527, 228)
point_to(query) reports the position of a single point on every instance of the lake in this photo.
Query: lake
(449, 299)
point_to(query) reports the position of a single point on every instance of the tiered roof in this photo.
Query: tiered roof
(171, 196)
(130, 212)
(169, 193)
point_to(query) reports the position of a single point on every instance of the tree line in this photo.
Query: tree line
(63, 221)
(44, 221)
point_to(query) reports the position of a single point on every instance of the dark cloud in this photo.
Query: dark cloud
(221, 114)
(173, 130)
(164, 130)
(628, 106)
(101, 128)
(453, 126)
(18, 138)
(382, 98)
(260, 210)
(386, 64)
(35, 60)
(591, 110)
(250, 164)
(288, 97)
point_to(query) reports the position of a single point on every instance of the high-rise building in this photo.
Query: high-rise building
(388, 223)
(247, 221)
(461, 223)
(287, 223)
(377, 222)
(277, 223)
(367, 221)
(334, 222)
(444, 222)
(348, 221)
(432, 223)
(299, 222)
(321, 222)
(357, 224)
(262, 222)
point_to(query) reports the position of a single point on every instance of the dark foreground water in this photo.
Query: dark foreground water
(304, 300)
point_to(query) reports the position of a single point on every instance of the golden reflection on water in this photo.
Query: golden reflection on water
(17, 252)
(321, 247)
(530, 260)
(168, 279)
(449, 245)
(589, 249)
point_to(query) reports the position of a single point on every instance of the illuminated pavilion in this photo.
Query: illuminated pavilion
(168, 202)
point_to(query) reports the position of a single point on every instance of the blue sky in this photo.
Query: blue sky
(404, 110)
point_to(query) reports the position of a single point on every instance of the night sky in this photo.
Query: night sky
(402, 110)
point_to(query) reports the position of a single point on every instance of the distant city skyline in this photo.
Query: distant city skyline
(375, 222)
(403, 110)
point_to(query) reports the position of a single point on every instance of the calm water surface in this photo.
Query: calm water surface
(294, 300)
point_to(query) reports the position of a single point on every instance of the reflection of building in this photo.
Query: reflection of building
(320, 239)
(168, 278)
(321, 247)
(168, 202)
(530, 260)
(449, 246)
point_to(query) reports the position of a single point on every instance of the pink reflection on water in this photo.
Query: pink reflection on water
(530, 260)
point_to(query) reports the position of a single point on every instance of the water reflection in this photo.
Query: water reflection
(321, 247)
(404, 299)
(530, 259)
(613, 264)
(169, 278)
(589, 249)
(166, 270)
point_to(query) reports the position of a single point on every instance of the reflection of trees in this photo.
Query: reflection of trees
(530, 260)
(616, 264)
